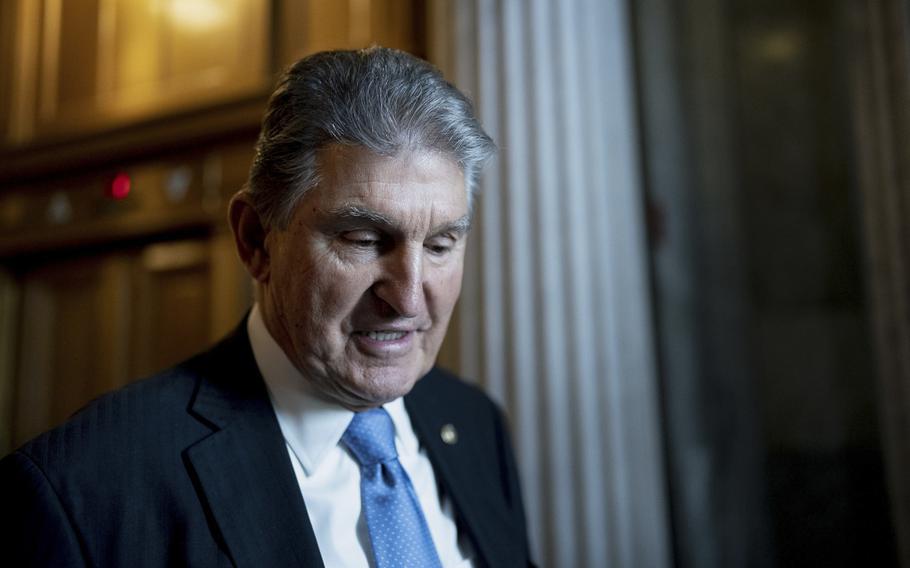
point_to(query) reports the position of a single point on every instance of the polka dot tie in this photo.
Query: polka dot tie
(398, 530)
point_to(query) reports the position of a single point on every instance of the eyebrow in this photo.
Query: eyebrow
(358, 213)
(459, 226)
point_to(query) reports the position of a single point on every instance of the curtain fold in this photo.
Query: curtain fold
(555, 318)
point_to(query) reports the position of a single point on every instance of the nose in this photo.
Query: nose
(400, 284)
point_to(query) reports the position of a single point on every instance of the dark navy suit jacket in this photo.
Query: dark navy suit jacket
(189, 468)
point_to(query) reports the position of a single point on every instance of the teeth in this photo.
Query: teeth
(385, 335)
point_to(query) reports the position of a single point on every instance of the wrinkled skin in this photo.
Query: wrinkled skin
(359, 288)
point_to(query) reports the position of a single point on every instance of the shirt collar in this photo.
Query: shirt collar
(311, 426)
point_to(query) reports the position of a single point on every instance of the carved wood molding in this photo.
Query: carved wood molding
(187, 129)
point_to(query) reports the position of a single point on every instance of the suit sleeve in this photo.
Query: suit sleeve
(35, 530)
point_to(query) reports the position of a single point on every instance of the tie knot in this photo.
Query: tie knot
(371, 437)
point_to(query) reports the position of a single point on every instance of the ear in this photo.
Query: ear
(249, 236)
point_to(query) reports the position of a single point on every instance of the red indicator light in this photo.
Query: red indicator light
(120, 186)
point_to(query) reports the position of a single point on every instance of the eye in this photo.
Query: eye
(439, 245)
(362, 238)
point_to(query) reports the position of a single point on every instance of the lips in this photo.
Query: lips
(384, 335)
(385, 342)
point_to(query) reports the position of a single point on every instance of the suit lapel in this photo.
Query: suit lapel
(242, 470)
(464, 472)
(246, 481)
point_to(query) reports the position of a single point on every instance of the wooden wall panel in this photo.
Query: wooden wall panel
(70, 45)
(84, 66)
(173, 308)
(74, 339)
(94, 87)
(102, 63)
(7, 42)
(91, 324)
(10, 296)
(317, 25)
(398, 24)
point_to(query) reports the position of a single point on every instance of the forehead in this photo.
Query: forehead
(412, 178)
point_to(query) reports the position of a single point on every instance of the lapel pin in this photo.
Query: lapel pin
(448, 434)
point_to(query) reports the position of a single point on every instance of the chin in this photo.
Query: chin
(379, 386)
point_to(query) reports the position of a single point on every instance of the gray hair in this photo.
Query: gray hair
(385, 100)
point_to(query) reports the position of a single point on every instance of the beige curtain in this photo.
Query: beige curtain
(880, 70)
(555, 317)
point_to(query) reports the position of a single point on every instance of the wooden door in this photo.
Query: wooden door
(93, 323)
(74, 339)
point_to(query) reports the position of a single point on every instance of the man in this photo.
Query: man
(318, 433)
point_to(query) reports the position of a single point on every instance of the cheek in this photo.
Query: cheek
(447, 286)
(336, 291)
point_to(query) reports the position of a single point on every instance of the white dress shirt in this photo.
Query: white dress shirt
(328, 476)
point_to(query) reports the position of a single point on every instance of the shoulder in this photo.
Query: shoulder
(107, 480)
(442, 395)
(440, 386)
(141, 425)
(153, 413)
(466, 437)
(117, 416)
(111, 469)
(442, 398)
(73, 476)
(115, 476)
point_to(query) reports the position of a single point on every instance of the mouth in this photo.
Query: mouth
(385, 343)
(383, 335)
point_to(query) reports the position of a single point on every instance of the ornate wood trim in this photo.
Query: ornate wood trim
(187, 129)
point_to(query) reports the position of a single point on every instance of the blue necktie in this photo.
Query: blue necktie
(398, 530)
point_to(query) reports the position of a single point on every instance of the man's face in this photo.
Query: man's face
(361, 284)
